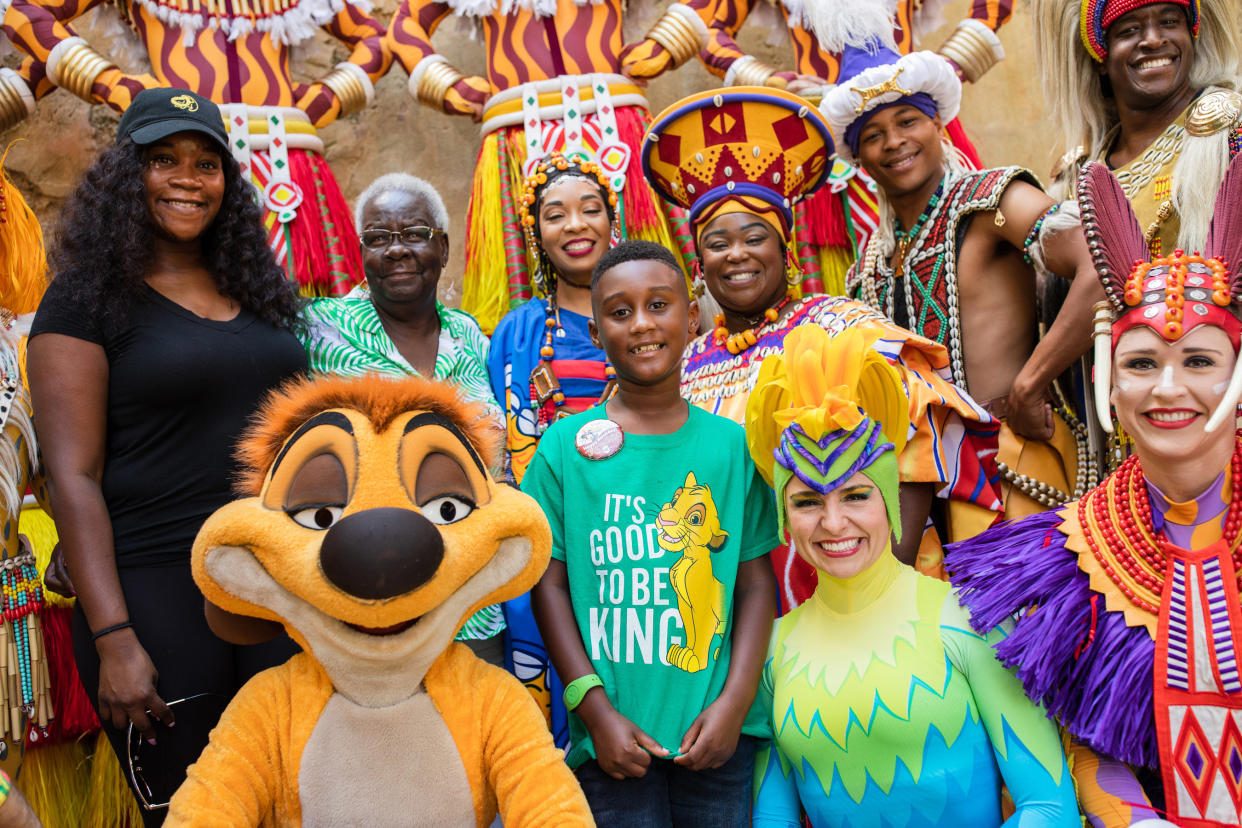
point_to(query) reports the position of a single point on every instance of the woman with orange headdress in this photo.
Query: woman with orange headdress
(739, 161)
(1128, 600)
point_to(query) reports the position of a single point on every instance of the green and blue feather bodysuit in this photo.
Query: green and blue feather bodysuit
(887, 709)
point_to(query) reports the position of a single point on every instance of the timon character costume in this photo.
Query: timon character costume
(553, 85)
(885, 707)
(373, 531)
(1129, 616)
(833, 225)
(236, 54)
(764, 151)
(921, 291)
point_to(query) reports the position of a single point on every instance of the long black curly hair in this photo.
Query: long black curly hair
(105, 236)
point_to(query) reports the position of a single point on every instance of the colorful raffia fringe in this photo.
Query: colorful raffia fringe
(485, 294)
(21, 249)
(324, 247)
(55, 781)
(492, 286)
(109, 803)
(1091, 671)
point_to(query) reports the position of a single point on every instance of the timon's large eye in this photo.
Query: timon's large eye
(447, 509)
(317, 517)
(318, 492)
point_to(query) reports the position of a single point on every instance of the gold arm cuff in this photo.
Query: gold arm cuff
(968, 49)
(675, 33)
(12, 106)
(752, 73)
(77, 69)
(348, 90)
(437, 79)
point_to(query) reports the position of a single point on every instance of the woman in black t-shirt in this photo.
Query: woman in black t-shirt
(166, 322)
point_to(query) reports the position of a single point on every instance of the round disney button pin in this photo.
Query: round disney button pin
(599, 439)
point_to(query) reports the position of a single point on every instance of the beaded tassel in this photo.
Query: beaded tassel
(25, 686)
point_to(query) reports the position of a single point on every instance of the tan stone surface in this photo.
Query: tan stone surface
(1004, 114)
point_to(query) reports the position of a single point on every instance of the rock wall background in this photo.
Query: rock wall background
(1004, 114)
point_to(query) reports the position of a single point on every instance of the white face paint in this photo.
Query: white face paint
(1124, 385)
(1219, 388)
(1166, 377)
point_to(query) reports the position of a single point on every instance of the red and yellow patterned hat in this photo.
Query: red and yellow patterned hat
(1097, 15)
(748, 148)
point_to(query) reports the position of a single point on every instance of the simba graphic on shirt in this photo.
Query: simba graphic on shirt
(690, 524)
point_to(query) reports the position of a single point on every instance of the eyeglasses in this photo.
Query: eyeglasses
(156, 771)
(378, 239)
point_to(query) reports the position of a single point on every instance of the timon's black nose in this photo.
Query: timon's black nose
(381, 553)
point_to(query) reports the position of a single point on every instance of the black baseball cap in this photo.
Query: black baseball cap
(158, 113)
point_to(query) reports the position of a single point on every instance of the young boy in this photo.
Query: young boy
(658, 602)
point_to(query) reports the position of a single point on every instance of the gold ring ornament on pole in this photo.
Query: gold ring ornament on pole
(351, 85)
(73, 65)
(974, 48)
(431, 80)
(16, 101)
(750, 71)
(681, 32)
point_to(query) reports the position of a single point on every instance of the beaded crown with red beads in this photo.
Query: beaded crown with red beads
(1170, 294)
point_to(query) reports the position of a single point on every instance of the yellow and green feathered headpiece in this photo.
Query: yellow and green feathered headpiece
(825, 409)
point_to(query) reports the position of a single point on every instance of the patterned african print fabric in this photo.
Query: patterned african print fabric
(887, 709)
(929, 283)
(346, 337)
(1134, 644)
(952, 442)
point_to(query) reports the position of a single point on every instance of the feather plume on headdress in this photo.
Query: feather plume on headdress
(825, 409)
(1169, 294)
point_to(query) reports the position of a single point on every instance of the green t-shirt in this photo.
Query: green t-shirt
(652, 538)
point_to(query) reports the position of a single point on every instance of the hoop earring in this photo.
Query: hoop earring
(698, 285)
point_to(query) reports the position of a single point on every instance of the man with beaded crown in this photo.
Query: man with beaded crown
(739, 160)
(1133, 643)
(1150, 88)
(955, 259)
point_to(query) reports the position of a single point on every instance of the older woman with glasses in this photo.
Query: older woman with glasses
(397, 327)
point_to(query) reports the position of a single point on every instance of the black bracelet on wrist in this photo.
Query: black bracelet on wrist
(114, 628)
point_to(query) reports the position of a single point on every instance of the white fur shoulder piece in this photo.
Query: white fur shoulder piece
(485, 8)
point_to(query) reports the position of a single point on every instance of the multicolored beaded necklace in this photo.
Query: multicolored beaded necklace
(1120, 512)
(739, 342)
(905, 238)
(545, 385)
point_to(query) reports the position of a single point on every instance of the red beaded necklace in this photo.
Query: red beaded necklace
(1119, 513)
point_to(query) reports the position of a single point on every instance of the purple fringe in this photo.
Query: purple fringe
(1102, 691)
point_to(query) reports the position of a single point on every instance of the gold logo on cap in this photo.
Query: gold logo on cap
(185, 102)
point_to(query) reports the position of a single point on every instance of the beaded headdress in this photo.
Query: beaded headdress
(874, 77)
(750, 149)
(825, 409)
(547, 172)
(1170, 294)
(1097, 15)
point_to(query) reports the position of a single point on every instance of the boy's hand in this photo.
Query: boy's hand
(622, 748)
(712, 737)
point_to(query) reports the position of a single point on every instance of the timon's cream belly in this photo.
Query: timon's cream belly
(384, 779)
